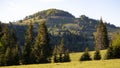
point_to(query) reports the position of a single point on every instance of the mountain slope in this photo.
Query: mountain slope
(77, 32)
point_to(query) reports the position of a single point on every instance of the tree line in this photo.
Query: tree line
(102, 42)
(38, 50)
(35, 50)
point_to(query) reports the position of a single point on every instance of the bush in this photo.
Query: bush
(85, 56)
(97, 55)
(113, 52)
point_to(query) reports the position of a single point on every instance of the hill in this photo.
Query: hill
(77, 32)
(55, 13)
(113, 63)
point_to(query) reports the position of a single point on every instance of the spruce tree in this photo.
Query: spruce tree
(85, 56)
(42, 47)
(1, 30)
(61, 50)
(33, 55)
(97, 55)
(101, 36)
(67, 56)
(5, 39)
(29, 42)
(13, 39)
(55, 54)
(16, 54)
(60, 53)
(2, 61)
(8, 57)
(109, 53)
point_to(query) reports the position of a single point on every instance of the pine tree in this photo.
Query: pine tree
(2, 60)
(37, 54)
(66, 56)
(109, 53)
(55, 54)
(8, 57)
(97, 55)
(42, 46)
(0, 38)
(85, 56)
(1, 30)
(61, 50)
(60, 54)
(13, 38)
(33, 55)
(29, 42)
(16, 54)
(101, 36)
(5, 39)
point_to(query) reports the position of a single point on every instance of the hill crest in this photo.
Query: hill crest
(55, 13)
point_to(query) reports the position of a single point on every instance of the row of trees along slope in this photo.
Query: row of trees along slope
(77, 32)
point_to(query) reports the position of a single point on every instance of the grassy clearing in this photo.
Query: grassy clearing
(114, 63)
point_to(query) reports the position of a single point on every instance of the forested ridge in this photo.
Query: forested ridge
(77, 32)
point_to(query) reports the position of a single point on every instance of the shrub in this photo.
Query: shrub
(97, 55)
(85, 56)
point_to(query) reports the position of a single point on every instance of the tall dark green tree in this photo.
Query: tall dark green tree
(55, 54)
(29, 42)
(101, 36)
(8, 57)
(61, 50)
(1, 29)
(13, 39)
(16, 54)
(2, 61)
(1, 46)
(5, 39)
(42, 47)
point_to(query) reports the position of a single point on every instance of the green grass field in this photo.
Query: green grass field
(75, 63)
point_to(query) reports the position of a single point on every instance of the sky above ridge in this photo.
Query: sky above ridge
(109, 10)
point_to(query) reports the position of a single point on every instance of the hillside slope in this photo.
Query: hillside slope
(77, 32)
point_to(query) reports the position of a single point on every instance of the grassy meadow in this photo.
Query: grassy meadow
(75, 63)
